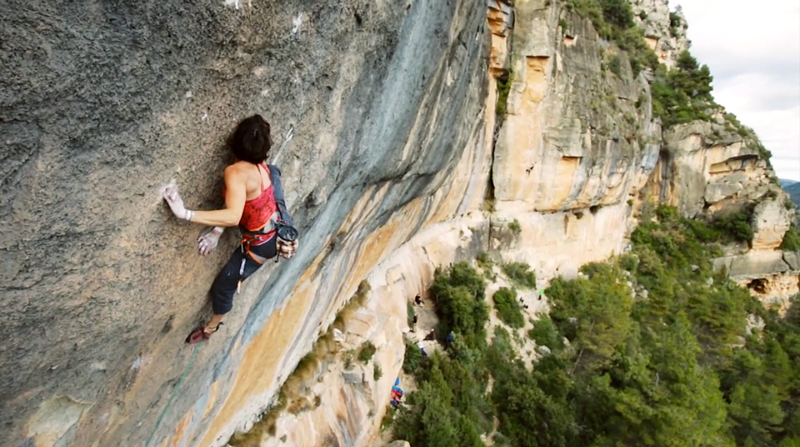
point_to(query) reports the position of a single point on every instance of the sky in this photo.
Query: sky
(753, 51)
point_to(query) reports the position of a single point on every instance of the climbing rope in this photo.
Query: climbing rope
(172, 395)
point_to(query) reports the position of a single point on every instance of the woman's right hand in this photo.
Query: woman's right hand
(175, 202)
(208, 242)
(287, 249)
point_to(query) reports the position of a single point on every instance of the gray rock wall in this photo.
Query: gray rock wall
(103, 102)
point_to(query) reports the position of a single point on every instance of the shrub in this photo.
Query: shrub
(675, 23)
(461, 274)
(459, 296)
(615, 65)
(683, 94)
(503, 88)
(508, 310)
(544, 333)
(704, 232)
(366, 351)
(377, 373)
(412, 358)
(629, 262)
(387, 420)
(791, 240)
(520, 273)
(735, 225)
(515, 227)
(617, 13)
(484, 260)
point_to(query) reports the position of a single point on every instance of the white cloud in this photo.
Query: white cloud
(753, 51)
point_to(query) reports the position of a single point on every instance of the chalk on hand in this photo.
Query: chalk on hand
(172, 183)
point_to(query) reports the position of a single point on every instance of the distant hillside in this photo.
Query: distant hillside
(784, 183)
(794, 191)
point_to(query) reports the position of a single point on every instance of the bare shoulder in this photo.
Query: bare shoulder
(236, 170)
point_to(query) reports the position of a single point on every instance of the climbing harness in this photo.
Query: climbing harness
(172, 395)
(273, 228)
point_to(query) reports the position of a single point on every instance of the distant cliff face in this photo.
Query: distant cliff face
(573, 142)
(705, 170)
(423, 130)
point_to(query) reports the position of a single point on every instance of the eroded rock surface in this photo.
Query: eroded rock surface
(664, 30)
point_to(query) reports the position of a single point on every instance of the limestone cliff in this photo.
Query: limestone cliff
(573, 146)
(423, 130)
(711, 168)
(664, 30)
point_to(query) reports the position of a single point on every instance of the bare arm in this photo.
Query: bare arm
(235, 196)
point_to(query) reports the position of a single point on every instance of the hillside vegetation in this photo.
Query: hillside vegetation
(651, 348)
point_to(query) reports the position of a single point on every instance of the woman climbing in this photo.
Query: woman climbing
(254, 201)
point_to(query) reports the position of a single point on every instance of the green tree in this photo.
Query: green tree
(508, 309)
(520, 273)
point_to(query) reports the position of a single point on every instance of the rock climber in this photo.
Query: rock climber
(254, 202)
(397, 397)
(421, 345)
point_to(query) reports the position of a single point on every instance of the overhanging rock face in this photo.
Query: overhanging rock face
(102, 104)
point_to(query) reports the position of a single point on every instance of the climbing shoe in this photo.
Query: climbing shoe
(200, 334)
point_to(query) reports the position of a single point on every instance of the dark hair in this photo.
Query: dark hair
(251, 140)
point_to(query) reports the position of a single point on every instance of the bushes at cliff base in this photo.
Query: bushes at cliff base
(652, 348)
(508, 308)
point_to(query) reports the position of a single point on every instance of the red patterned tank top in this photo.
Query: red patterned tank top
(258, 211)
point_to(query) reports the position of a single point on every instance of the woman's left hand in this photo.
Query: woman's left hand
(175, 201)
(208, 242)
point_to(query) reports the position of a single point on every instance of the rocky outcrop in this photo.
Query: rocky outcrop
(705, 167)
(559, 147)
(399, 444)
(771, 220)
(773, 276)
(715, 167)
(664, 31)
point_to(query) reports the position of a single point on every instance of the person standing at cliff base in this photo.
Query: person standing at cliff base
(254, 202)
